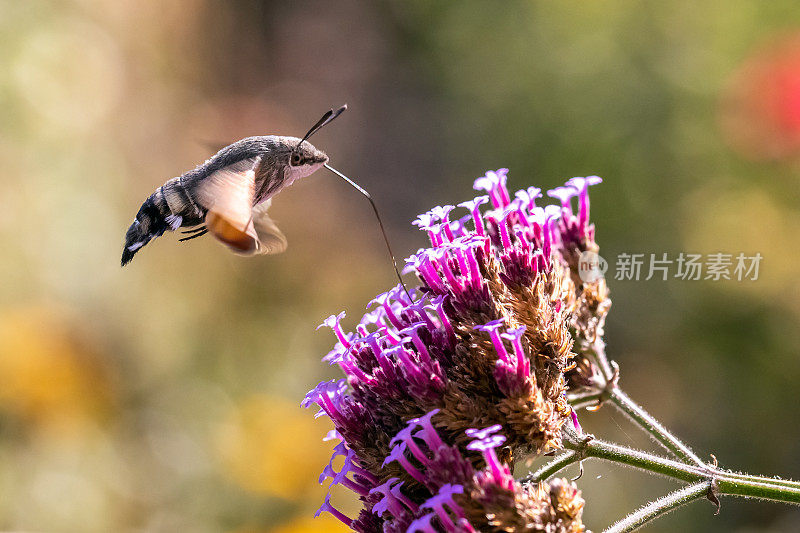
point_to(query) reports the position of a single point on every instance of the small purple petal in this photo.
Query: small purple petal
(389, 502)
(529, 196)
(515, 336)
(398, 454)
(441, 212)
(332, 435)
(483, 433)
(491, 326)
(405, 435)
(428, 432)
(442, 501)
(413, 332)
(422, 524)
(563, 195)
(493, 183)
(475, 203)
(425, 221)
(408, 502)
(327, 507)
(334, 322)
(487, 443)
(474, 207)
(582, 184)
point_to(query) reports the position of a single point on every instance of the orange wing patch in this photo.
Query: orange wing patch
(240, 241)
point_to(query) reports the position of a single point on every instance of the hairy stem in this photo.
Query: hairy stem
(610, 391)
(762, 479)
(553, 467)
(599, 352)
(663, 436)
(642, 418)
(587, 446)
(750, 488)
(725, 484)
(660, 507)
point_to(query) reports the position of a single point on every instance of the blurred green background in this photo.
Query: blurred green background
(164, 397)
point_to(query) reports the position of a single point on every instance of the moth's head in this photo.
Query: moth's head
(303, 157)
(306, 153)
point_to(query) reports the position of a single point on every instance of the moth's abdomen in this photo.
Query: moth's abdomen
(166, 209)
(173, 198)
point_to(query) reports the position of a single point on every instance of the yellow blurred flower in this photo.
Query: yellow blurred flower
(271, 446)
(50, 375)
(305, 524)
(323, 524)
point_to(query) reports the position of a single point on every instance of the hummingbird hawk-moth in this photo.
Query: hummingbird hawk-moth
(229, 195)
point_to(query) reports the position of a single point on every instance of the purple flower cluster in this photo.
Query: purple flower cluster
(483, 342)
(575, 230)
(452, 495)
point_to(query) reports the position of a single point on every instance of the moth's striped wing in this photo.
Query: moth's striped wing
(228, 195)
(270, 239)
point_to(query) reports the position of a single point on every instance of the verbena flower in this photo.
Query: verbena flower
(484, 341)
(444, 491)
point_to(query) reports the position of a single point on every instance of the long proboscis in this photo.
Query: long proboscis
(360, 189)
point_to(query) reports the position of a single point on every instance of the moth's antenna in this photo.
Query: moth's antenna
(326, 118)
(380, 222)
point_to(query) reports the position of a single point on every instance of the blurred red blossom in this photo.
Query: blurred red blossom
(761, 106)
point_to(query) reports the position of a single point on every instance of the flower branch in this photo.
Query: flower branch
(553, 467)
(590, 447)
(725, 484)
(642, 418)
(660, 507)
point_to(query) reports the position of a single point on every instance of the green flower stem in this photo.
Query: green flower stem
(761, 479)
(587, 446)
(553, 467)
(642, 418)
(739, 485)
(598, 350)
(611, 392)
(750, 488)
(660, 507)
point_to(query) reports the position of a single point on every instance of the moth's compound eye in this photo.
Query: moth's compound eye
(296, 159)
